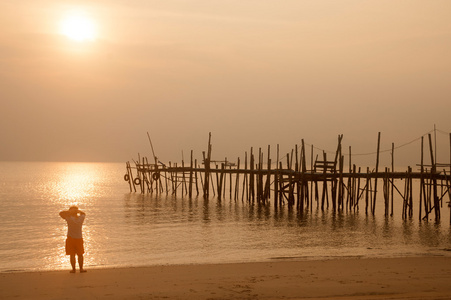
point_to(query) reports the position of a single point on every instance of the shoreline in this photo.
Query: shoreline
(348, 278)
(269, 260)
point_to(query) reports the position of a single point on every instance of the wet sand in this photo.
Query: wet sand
(353, 278)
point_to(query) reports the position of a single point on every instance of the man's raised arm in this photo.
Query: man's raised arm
(64, 214)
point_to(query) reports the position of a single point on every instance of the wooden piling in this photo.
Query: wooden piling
(434, 181)
(276, 180)
(392, 179)
(377, 168)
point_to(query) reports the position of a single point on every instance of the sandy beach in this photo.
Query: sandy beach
(353, 278)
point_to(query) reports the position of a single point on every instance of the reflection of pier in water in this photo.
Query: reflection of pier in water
(325, 184)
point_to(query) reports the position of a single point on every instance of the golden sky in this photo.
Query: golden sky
(254, 73)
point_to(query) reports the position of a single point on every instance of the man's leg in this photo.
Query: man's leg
(80, 263)
(72, 262)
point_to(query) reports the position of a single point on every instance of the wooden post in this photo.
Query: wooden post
(290, 180)
(219, 180)
(434, 181)
(386, 192)
(245, 182)
(354, 187)
(368, 181)
(207, 160)
(421, 180)
(224, 178)
(172, 178)
(348, 195)
(261, 174)
(237, 180)
(211, 181)
(323, 196)
(304, 184)
(191, 176)
(252, 177)
(129, 175)
(316, 187)
(267, 189)
(393, 178)
(410, 193)
(205, 185)
(358, 195)
(183, 178)
(143, 175)
(280, 183)
(377, 169)
(230, 181)
(195, 176)
(404, 199)
(311, 182)
(334, 180)
(276, 180)
(340, 183)
(148, 175)
(296, 177)
(201, 180)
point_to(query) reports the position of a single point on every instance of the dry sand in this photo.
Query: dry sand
(381, 278)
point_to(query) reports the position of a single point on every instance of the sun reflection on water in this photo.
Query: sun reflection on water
(76, 184)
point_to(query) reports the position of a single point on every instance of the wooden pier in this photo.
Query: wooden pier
(289, 182)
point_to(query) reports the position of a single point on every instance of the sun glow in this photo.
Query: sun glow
(79, 28)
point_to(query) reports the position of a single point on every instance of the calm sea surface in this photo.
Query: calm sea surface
(130, 229)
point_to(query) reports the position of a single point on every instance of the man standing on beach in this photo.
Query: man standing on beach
(74, 242)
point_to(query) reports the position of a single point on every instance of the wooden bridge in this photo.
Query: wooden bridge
(289, 182)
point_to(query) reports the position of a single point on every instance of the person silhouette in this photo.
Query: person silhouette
(74, 241)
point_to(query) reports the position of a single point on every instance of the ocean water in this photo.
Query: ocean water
(129, 229)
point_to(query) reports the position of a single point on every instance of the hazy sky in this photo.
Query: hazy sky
(254, 73)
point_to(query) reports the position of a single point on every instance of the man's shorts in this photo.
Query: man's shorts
(74, 246)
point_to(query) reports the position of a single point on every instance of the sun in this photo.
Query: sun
(79, 28)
